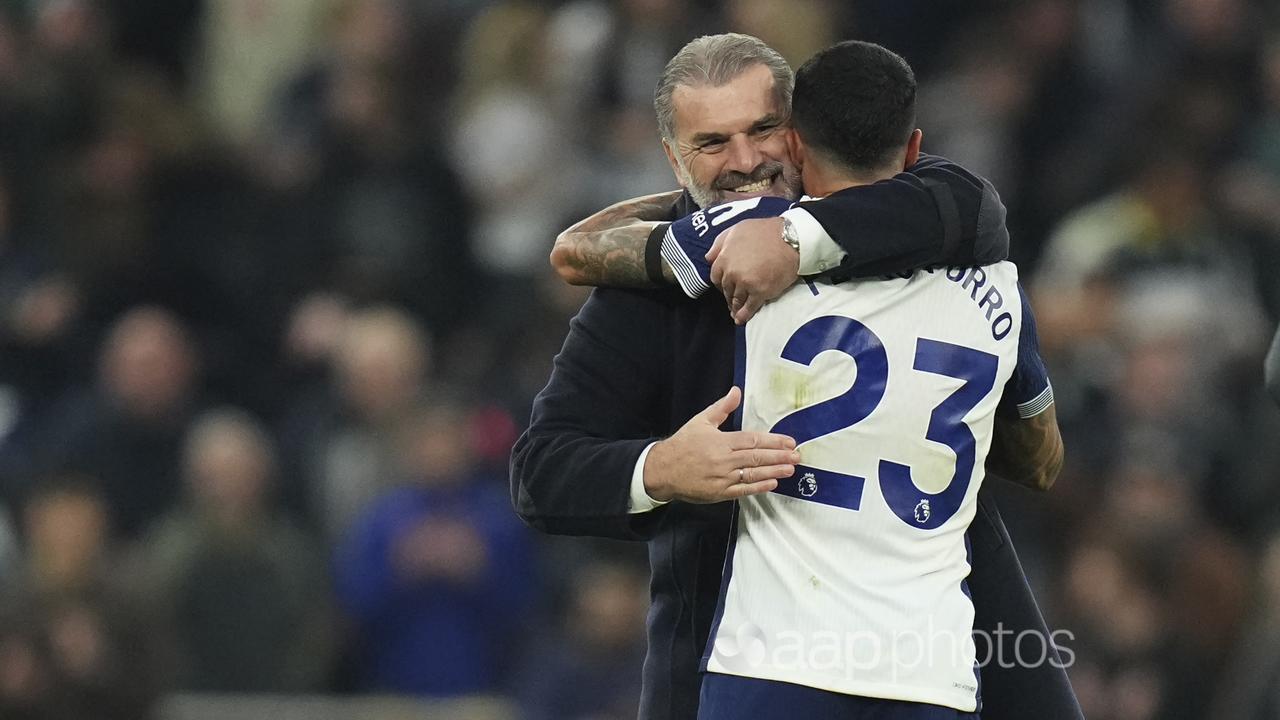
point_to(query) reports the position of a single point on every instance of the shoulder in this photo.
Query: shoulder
(637, 307)
(634, 297)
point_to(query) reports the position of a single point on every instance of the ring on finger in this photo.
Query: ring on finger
(742, 475)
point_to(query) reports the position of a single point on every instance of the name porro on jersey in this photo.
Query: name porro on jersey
(974, 279)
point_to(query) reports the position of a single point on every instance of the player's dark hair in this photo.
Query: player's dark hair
(855, 104)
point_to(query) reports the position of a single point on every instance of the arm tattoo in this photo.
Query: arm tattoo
(1028, 452)
(608, 247)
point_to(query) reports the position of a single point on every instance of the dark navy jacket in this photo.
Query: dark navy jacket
(637, 364)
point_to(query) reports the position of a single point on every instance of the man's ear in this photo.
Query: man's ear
(913, 148)
(675, 164)
(795, 148)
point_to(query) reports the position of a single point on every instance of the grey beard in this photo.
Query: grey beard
(710, 196)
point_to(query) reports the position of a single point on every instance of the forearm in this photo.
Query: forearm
(608, 248)
(571, 471)
(1028, 452)
(935, 213)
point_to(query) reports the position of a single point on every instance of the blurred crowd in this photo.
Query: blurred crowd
(274, 302)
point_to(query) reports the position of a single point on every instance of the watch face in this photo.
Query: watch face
(789, 234)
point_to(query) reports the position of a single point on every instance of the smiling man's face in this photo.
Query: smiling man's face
(731, 140)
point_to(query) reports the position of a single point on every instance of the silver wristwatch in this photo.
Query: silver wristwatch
(789, 234)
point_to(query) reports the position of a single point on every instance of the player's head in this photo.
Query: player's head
(854, 112)
(722, 105)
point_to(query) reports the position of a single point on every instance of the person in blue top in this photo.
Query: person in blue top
(435, 575)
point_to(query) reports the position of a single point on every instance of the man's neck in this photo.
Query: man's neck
(821, 180)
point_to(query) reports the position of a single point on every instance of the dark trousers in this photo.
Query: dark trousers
(731, 697)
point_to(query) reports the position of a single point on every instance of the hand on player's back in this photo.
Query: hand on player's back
(700, 463)
(752, 265)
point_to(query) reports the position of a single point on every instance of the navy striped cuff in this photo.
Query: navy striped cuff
(1036, 405)
(691, 281)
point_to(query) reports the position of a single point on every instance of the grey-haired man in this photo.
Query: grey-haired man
(611, 449)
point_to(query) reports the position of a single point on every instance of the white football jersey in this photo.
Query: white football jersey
(850, 577)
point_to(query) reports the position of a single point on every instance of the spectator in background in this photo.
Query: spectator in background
(513, 366)
(1151, 306)
(26, 672)
(71, 60)
(354, 142)
(1207, 40)
(311, 336)
(506, 140)
(242, 589)
(590, 667)
(1145, 649)
(1150, 309)
(1206, 584)
(111, 187)
(128, 431)
(85, 630)
(40, 309)
(67, 528)
(1150, 262)
(975, 109)
(342, 439)
(601, 59)
(1251, 680)
(796, 30)
(436, 575)
(247, 51)
(1115, 618)
(1159, 221)
(1250, 185)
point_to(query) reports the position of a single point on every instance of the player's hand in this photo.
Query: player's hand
(702, 464)
(752, 265)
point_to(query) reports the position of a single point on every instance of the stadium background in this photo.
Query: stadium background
(274, 301)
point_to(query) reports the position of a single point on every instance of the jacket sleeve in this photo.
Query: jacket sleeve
(571, 469)
(1007, 622)
(935, 213)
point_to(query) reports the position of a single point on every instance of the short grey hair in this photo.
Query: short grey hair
(715, 60)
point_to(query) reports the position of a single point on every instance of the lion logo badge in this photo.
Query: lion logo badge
(808, 485)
